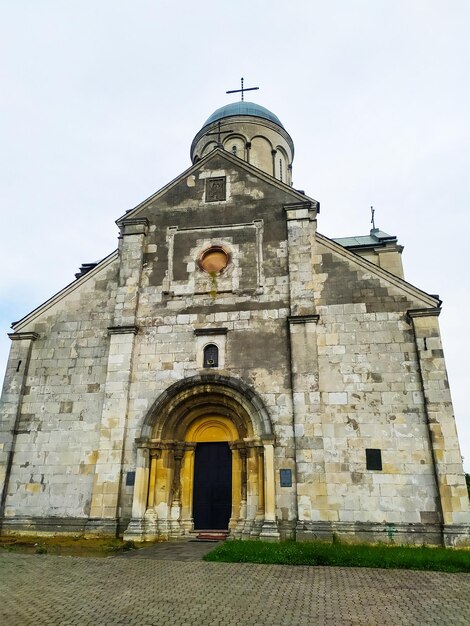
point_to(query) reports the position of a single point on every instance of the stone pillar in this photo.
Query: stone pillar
(175, 511)
(136, 529)
(243, 491)
(259, 515)
(450, 478)
(310, 482)
(301, 228)
(269, 531)
(163, 489)
(104, 514)
(151, 526)
(312, 506)
(252, 497)
(154, 454)
(273, 154)
(248, 149)
(236, 491)
(187, 475)
(10, 408)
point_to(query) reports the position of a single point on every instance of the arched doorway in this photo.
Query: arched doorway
(212, 475)
(205, 459)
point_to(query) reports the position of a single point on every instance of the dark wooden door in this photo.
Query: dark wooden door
(212, 497)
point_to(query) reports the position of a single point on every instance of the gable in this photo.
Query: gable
(247, 219)
(343, 277)
(188, 193)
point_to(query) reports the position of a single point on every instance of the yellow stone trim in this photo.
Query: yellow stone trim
(211, 429)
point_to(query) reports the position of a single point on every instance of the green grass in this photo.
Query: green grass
(342, 555)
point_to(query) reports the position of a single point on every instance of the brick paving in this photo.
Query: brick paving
(145, 591)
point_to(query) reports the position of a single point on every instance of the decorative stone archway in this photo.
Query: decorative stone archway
(205, 408)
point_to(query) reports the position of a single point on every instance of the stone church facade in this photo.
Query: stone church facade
(230, 368)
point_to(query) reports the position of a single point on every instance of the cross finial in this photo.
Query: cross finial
(242, 90)
(219, 132)
(372, 221)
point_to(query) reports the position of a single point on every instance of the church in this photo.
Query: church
(228, 368)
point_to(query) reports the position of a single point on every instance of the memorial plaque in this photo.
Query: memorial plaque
(130, 479)
(286, 477)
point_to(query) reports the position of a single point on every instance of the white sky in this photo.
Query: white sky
(100, 100)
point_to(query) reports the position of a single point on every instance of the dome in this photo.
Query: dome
(242, 108)
(251, 133)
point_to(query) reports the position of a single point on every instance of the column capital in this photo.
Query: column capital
(298, 211)
(133, 226)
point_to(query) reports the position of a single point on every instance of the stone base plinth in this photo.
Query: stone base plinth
(269, 532)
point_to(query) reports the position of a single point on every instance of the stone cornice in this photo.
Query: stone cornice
(202, 332)
(23, 336)
(435, 311)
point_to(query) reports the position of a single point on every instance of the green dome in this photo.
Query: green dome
(242, 108)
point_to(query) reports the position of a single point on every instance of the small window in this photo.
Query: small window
(373, 459)
(211, 356)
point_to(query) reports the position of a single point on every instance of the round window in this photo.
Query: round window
(214, 260)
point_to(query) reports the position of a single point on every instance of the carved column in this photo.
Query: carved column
(154, 456)
(269, 530)
(243, 490)
(236, 490)
(151, 516)
(252, 498)
(187, 477)
(175, 511)
(136, 528)
(259, 517)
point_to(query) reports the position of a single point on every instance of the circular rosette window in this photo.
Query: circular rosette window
(214, 260)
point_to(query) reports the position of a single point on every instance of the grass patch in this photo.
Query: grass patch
(342, 555)
(65, 546)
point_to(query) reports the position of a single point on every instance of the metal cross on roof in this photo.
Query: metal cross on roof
(242, 90)
(219, 132)
(372, 221)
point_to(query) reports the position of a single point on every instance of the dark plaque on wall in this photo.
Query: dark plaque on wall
(286, 477)
(130, 479)
(215, 189)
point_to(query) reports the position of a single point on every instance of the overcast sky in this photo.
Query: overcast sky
(100, 100)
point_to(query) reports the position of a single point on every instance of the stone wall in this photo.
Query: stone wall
(55, 438)
(325, 339)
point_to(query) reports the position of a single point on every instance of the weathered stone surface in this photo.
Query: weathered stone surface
(335, 354)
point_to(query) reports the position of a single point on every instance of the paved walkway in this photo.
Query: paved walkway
(173, 551)
(50, 590)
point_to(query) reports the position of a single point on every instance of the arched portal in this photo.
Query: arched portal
(205, 456)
